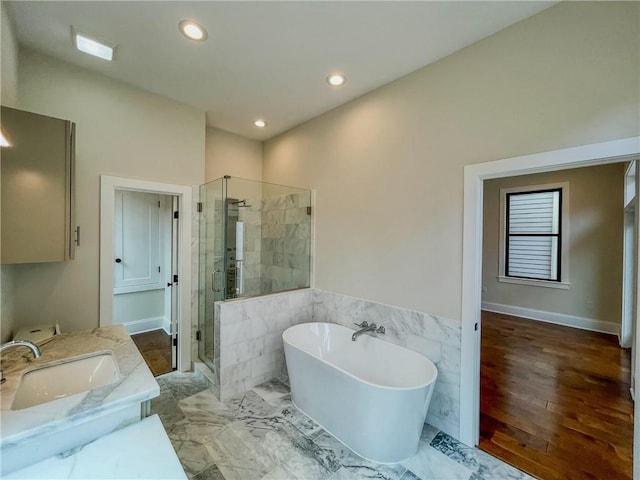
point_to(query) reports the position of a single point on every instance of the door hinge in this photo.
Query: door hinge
(176, 215)
(308, 210)
(158, 203)
(175, 279)
(175, 341)
(198, 335)
(475, 327)
(158, 269)
(199, 207)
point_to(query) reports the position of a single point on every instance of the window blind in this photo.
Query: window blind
(533, 235)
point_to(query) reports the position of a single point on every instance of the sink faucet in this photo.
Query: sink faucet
(19, 343)
(364, 328)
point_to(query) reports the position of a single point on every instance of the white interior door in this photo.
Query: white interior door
(137, 262)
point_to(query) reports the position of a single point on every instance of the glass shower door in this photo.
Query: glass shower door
(212, 265)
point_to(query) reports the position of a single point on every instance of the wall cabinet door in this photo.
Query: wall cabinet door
(37, 193)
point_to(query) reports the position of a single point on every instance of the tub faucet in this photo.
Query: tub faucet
(364, 328)
(19, 343)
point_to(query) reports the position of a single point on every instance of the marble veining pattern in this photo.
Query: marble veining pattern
(141, 450)
(136, 383)
(258, 434)
(250, 342)
(436, 338)
(285, 242)
(250, 349)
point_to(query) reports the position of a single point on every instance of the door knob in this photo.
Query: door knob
(118, 260)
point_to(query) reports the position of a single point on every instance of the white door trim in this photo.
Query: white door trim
(474, 176)
(108, 186)
(629, 245)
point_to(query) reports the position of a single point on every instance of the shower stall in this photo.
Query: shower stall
(255, 239)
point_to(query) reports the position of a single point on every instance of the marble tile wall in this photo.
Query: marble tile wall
(286, 242)
(250, 349)
(436, 338)
(211, 257)
(280, 224)
(252, 244)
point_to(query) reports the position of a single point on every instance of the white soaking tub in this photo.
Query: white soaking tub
(370, 394)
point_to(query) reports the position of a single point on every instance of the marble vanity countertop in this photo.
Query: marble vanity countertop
(136, 384)
(141, 451)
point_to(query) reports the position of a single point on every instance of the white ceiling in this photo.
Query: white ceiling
(263, 59)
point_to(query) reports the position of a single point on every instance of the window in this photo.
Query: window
(533, 235)
(533, 239)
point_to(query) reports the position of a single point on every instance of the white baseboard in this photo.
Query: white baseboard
(556, 318)
(144, 325)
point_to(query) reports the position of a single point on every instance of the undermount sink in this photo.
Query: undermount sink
(51, 382)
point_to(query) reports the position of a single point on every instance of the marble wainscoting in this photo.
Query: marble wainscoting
(249, 349)
(434, 337)
(260, 435)
(249, 332)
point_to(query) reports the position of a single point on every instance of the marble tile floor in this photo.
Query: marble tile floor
(260, 435)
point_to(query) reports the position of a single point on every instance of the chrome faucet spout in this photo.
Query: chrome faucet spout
(19, 343)
(365, 328)
(22, 343)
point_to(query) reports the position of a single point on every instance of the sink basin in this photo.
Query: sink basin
(51, 382)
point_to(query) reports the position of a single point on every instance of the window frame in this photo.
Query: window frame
(563, 236)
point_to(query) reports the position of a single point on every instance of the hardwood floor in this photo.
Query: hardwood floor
(155, 347)
(554, 400)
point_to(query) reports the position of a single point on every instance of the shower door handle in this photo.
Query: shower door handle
(213, 281)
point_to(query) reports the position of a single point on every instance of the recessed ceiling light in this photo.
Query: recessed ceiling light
(260, 123)
(193, 30)
(336, 79)
(86, 44)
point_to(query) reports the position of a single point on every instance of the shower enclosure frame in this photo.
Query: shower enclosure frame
(217, 257)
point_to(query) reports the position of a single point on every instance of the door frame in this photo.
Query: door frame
(108, 186)
(629, 245)
(614, 151)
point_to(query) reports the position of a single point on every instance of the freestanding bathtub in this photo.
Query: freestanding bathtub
(370, 394)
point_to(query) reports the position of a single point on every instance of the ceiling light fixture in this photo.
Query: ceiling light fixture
(86, 44)
(4, 141)
(192, 30)
(260, 123)
(336, 79)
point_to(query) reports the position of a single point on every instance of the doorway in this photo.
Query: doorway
(622, 150)
(145, 248)
(554, 379)
(175, 300)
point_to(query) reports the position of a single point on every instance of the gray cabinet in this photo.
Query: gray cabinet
(38, 201)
